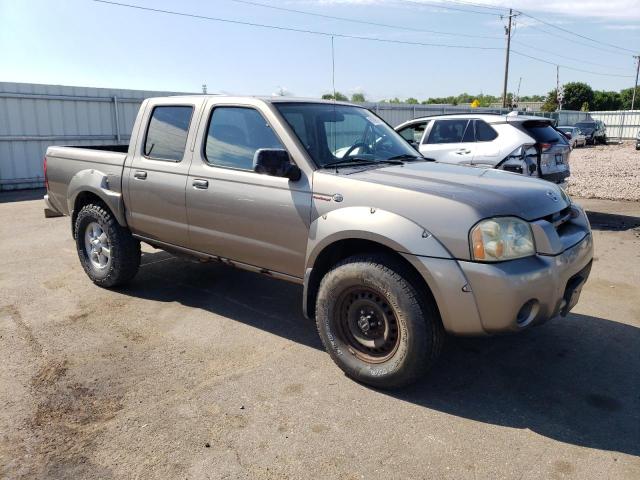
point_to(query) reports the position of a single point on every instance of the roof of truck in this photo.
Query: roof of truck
(269, 99)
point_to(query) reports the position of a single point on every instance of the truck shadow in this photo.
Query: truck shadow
(612, 221)
(576, 380)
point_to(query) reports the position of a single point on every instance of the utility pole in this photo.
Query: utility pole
(559, 92)
(506, 62)
(633, 98)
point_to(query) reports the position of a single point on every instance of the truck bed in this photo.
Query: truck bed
(71, 167)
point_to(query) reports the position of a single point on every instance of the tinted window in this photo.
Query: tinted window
(234, 135)
(543, 132)
(448, 131)
(413, 133)
(484, 132)
(167, 133)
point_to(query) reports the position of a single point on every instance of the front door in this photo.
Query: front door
(157, 175)
(238, 214)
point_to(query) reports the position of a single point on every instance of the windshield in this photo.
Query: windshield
(586, 126)
(339, 134)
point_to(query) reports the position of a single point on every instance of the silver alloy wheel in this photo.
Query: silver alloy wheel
(97, 246)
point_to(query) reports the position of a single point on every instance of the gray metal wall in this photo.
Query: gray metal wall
(33, 116)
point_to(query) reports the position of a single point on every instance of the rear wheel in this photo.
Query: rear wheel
(376, 326)
(108, 252)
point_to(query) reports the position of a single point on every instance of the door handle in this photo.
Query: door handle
(140, 175)
(201, 184)
(463, 151)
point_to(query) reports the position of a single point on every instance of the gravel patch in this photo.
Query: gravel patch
(610, 172)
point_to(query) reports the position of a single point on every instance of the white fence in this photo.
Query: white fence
(620, 125)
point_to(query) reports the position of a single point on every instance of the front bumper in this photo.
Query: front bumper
(486, 298)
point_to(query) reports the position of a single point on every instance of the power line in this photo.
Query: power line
(569, 39)
(363, 22)
(447, 7)
(566, 57)
(568, 67)
(578, 34)
(291, 29)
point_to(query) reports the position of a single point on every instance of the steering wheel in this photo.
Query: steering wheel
(352, 148)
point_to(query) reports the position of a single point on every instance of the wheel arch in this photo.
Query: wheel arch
(87, 186)
(343, 248)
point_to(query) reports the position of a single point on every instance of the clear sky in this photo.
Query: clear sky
(81, 42)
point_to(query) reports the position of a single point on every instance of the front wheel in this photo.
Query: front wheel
(376, 326)
(108, 252)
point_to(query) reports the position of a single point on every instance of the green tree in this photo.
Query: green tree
(395, 100)
(575, 95)
(358, 97)
(411, 101)
(551, 102)
(606, 100)
(338, 96)
(584, 107)
(625, 98)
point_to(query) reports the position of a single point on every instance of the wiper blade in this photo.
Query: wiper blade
(406, 156)
(360, 161)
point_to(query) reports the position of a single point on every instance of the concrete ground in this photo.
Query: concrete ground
(202, 371)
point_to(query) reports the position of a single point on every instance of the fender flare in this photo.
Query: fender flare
(380, 226)
(98, 183)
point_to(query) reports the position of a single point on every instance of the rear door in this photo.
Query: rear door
(157, 174)
(487, 147)
(450, 141)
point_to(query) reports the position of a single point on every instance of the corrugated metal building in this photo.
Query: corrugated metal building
(33, 116)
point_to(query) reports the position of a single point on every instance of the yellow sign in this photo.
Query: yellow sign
(475, 103)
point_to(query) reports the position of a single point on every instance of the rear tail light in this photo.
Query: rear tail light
(544, 146)
(44, 167)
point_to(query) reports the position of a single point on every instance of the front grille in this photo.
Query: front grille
(559, 218)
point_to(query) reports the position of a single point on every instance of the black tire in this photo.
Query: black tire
(404, 309)
(124, 249)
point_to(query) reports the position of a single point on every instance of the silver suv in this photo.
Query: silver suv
(521, 144)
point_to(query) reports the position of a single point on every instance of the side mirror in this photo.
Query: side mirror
(275, 162)
(413, 143)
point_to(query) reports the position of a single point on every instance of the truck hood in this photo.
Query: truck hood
(487, 191)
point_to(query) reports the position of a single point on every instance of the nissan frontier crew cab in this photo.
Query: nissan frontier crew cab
(393, 250)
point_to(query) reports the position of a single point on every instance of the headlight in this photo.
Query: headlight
(523, 160)
(501, 238)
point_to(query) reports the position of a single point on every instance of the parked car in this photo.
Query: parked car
(638, 141)
(521, 144)
(574, 135)
(595, 131)
(392, 250)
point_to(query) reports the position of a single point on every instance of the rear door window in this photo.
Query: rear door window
(448, 131)
(484, 132)
(167, 133)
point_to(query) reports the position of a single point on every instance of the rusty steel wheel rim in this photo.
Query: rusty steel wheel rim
(367, 324)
